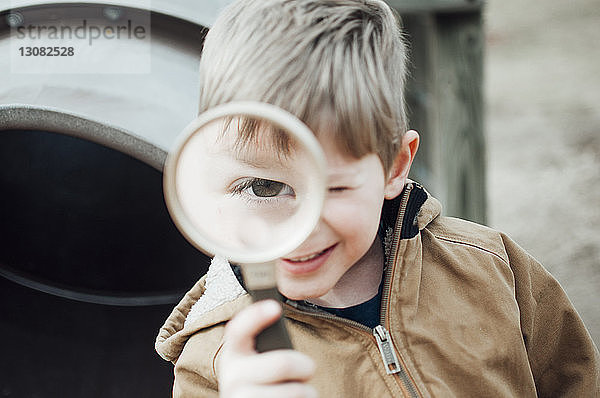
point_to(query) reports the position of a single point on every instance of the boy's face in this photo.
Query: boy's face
(347, 229)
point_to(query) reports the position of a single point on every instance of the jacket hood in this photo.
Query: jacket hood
(218, 295)
(214, 299)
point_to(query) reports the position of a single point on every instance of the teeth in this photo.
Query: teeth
(306, 258)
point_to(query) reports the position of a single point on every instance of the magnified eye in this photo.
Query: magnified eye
(262, 188)
(266, 188)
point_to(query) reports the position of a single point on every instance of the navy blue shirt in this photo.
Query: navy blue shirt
(366, 313)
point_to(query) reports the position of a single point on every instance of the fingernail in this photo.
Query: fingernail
(312, 392)
(271, 307)
(308, 366)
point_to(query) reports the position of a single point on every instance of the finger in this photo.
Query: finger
(270, 368)
(288, 390)
(242, 329)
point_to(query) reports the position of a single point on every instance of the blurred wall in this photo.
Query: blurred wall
(543, 126)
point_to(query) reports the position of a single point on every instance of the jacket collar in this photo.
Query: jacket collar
(411, 211)
(217, 296)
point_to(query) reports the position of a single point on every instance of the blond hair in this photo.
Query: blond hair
(338, 65)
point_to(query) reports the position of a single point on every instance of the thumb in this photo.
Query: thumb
(241, 331)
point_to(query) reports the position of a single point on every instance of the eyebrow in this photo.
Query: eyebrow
(346, 177)
(347, 172)
(261, 162)
(255, 162)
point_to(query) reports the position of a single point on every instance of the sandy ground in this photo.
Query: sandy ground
(543, 127)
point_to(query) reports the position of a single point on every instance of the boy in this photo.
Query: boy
(386, 297)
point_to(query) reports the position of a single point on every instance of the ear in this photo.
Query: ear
(399, 171)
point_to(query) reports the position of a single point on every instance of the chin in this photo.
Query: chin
(299, 291)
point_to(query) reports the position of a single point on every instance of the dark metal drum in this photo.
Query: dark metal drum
(90, 262)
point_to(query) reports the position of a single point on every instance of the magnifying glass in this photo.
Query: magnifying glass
(246, 181)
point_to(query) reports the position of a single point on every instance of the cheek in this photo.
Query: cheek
(355, 221)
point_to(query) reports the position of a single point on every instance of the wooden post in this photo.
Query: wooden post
(446, 106)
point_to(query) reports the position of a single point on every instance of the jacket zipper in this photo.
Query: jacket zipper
(387, 281)
(386, 347)
(380, 333)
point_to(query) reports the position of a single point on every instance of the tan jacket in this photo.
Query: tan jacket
(469, 313)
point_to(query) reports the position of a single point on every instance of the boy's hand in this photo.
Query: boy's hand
(245, 373)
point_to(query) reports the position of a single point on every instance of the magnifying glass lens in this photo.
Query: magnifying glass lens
(245, 184)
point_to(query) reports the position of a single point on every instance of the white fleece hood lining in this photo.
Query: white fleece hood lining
(221, 286)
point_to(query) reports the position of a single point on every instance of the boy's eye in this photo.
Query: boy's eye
(254, 188)
(337, 189)
(268, 188)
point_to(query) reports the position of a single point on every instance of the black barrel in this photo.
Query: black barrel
(92, 265)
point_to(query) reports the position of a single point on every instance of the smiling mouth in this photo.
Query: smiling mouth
(309, 257)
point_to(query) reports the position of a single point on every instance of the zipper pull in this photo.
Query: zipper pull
(386, 348)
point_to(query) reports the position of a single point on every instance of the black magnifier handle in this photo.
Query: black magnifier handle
(261, 282)
(274, 337)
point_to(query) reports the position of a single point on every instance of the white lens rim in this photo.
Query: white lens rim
(314, 198)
